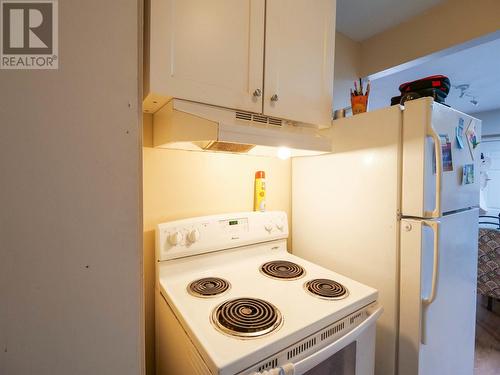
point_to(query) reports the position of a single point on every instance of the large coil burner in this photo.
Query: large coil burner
(326, 288)
(282, 269)
(208, 287)
(246, 317)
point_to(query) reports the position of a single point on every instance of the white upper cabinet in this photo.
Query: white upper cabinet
(300, 37)
(208, 51)
(273, 57)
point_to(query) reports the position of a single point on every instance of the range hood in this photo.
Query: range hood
(186, 125)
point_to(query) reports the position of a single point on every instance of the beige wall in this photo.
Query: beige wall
(70, 207)
(347, 69)
(181, 184)
(447, 25)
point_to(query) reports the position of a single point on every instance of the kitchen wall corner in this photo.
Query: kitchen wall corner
(347, 69)
(180, 184)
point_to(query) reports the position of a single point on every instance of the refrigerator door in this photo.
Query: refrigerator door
(438, 294)
(440, 168)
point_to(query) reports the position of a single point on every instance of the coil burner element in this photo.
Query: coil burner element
(282, 269)
(208, 287)
(326, 288)
(246, 317)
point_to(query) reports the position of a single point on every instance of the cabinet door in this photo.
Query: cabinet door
(208, 51)
(299, 60)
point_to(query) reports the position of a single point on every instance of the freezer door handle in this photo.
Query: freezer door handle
(438, 152)
(434, 225)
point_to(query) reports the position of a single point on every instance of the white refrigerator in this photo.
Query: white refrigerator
(395, 206)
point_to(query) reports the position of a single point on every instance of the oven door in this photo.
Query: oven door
(352, 354)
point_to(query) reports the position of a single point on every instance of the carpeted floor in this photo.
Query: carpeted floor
(487, 361)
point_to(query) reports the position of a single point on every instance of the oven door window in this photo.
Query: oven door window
(341, 363)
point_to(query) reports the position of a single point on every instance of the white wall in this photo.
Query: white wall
(491, 193)
(490, 122)
(347, 69)
(70, 201)
(490, 147)
(444, 26)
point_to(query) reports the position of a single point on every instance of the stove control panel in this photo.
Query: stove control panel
(177, 239)
(193, 235)
(234, 225)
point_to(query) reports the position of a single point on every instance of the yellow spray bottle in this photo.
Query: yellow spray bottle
(260, 191)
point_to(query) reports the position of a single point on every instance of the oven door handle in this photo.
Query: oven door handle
(323, 354)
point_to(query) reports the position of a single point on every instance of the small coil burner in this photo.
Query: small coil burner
(246, 317)
(326, 288)
(282, 269)
(208, 287)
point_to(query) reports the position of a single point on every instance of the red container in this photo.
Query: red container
(438, 82)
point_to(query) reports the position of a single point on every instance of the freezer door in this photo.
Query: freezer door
(438, 295)
(435, 159)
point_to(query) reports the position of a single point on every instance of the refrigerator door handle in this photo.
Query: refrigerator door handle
(438, 152)
(434, 225)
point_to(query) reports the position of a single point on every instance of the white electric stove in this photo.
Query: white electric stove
(230, 299)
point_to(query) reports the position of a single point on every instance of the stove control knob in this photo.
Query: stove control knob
(268, 227)
(280, 226)
(175, 238)
(194, 235)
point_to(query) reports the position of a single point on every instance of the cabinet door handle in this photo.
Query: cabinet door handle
(257, 93)
(274, 98)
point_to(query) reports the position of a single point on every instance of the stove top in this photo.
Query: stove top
(298, 312)
(268, 304)
(208, 287)
(282, 269)
(246, 317)
(326, 288)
